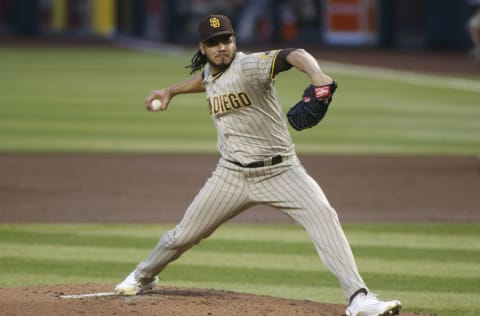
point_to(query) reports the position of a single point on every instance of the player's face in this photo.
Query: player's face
(220, 52)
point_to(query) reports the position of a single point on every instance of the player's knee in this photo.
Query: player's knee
(178, 238)
(326, 212)
(331, 213)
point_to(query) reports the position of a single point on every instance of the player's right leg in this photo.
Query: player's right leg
(222, 197)
(131, 286)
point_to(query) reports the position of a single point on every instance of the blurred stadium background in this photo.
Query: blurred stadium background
(411, 24)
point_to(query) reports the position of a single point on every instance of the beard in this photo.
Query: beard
(222, 64)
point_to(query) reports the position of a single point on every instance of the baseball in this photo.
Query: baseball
(156, 104)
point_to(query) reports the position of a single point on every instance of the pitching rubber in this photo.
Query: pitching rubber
(88, 295)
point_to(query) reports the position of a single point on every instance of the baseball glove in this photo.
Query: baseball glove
(312, 108)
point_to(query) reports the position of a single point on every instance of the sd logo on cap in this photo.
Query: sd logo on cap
(214, 22)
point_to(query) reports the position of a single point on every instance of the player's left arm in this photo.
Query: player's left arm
(303, 61)
(311, 109)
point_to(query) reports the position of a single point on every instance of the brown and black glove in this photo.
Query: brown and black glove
(312, 108)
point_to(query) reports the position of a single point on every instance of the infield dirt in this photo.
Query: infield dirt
(158, 188)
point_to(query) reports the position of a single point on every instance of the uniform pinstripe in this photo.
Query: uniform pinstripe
(251, 127)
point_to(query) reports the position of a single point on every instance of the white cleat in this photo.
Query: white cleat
(130, 286)
(369, 305)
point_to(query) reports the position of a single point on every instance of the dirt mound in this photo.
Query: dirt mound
(47, 300)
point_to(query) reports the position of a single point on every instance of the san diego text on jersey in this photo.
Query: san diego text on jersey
(226, 102)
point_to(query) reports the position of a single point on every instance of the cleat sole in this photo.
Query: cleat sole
(394, 311)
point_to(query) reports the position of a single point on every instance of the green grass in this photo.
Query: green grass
(431, 268)
(91, 100)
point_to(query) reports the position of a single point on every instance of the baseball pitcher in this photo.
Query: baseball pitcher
(258, 163)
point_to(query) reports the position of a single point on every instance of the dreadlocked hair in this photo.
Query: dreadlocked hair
(197, 63)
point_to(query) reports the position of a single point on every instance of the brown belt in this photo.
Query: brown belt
(257, 164)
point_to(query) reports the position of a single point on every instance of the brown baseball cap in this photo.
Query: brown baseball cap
(214, 25)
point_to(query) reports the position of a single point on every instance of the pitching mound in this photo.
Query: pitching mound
(47, 300)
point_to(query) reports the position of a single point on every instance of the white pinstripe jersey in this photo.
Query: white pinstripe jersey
(246, 111)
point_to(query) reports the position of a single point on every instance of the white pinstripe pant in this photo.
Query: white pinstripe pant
(232, 189)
